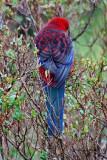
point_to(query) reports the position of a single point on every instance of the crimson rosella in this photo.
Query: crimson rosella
(55, 58)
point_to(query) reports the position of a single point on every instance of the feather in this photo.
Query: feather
(56, 57)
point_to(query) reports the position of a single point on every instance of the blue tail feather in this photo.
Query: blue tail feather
(55, 107)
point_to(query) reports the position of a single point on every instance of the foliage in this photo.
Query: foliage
(23, 132)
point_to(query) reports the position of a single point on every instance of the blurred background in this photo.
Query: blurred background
(23, 128)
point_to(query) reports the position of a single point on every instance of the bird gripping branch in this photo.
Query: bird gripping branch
(55, 58)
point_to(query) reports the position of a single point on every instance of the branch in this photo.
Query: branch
(87, 24)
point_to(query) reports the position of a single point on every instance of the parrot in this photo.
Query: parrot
(55, 58)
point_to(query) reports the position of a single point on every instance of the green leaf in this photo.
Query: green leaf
(43, 155)
(33, 113)
(13, 152)
(11, 54)
(17, 115)
(13, 68)
(19, 40)
(14, 2)
(22, 97)
(1, 148)
(12, 98)
(1, 101)
(6, 130)
(19, 19)
(82, 111)
(86, 129)
(34, 74)
(1, 91)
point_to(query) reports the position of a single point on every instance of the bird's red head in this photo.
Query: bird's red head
(59, 23)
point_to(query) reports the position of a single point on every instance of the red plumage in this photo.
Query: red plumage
(55, 57)
(56, 23)
(49, 79)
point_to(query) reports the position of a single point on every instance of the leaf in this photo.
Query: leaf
(19, 40)
(34, 74)
(21, 98)
(1, 149)
(18, 19)
(11, 54)
(14, 2)
(33, 113)
(9, 79)
(1, 101)
(12, 98)
(13, 68)
(13, 153)
(82, 111)
(1, 91)
(43, 155)
(86, 129)
(17, 115)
